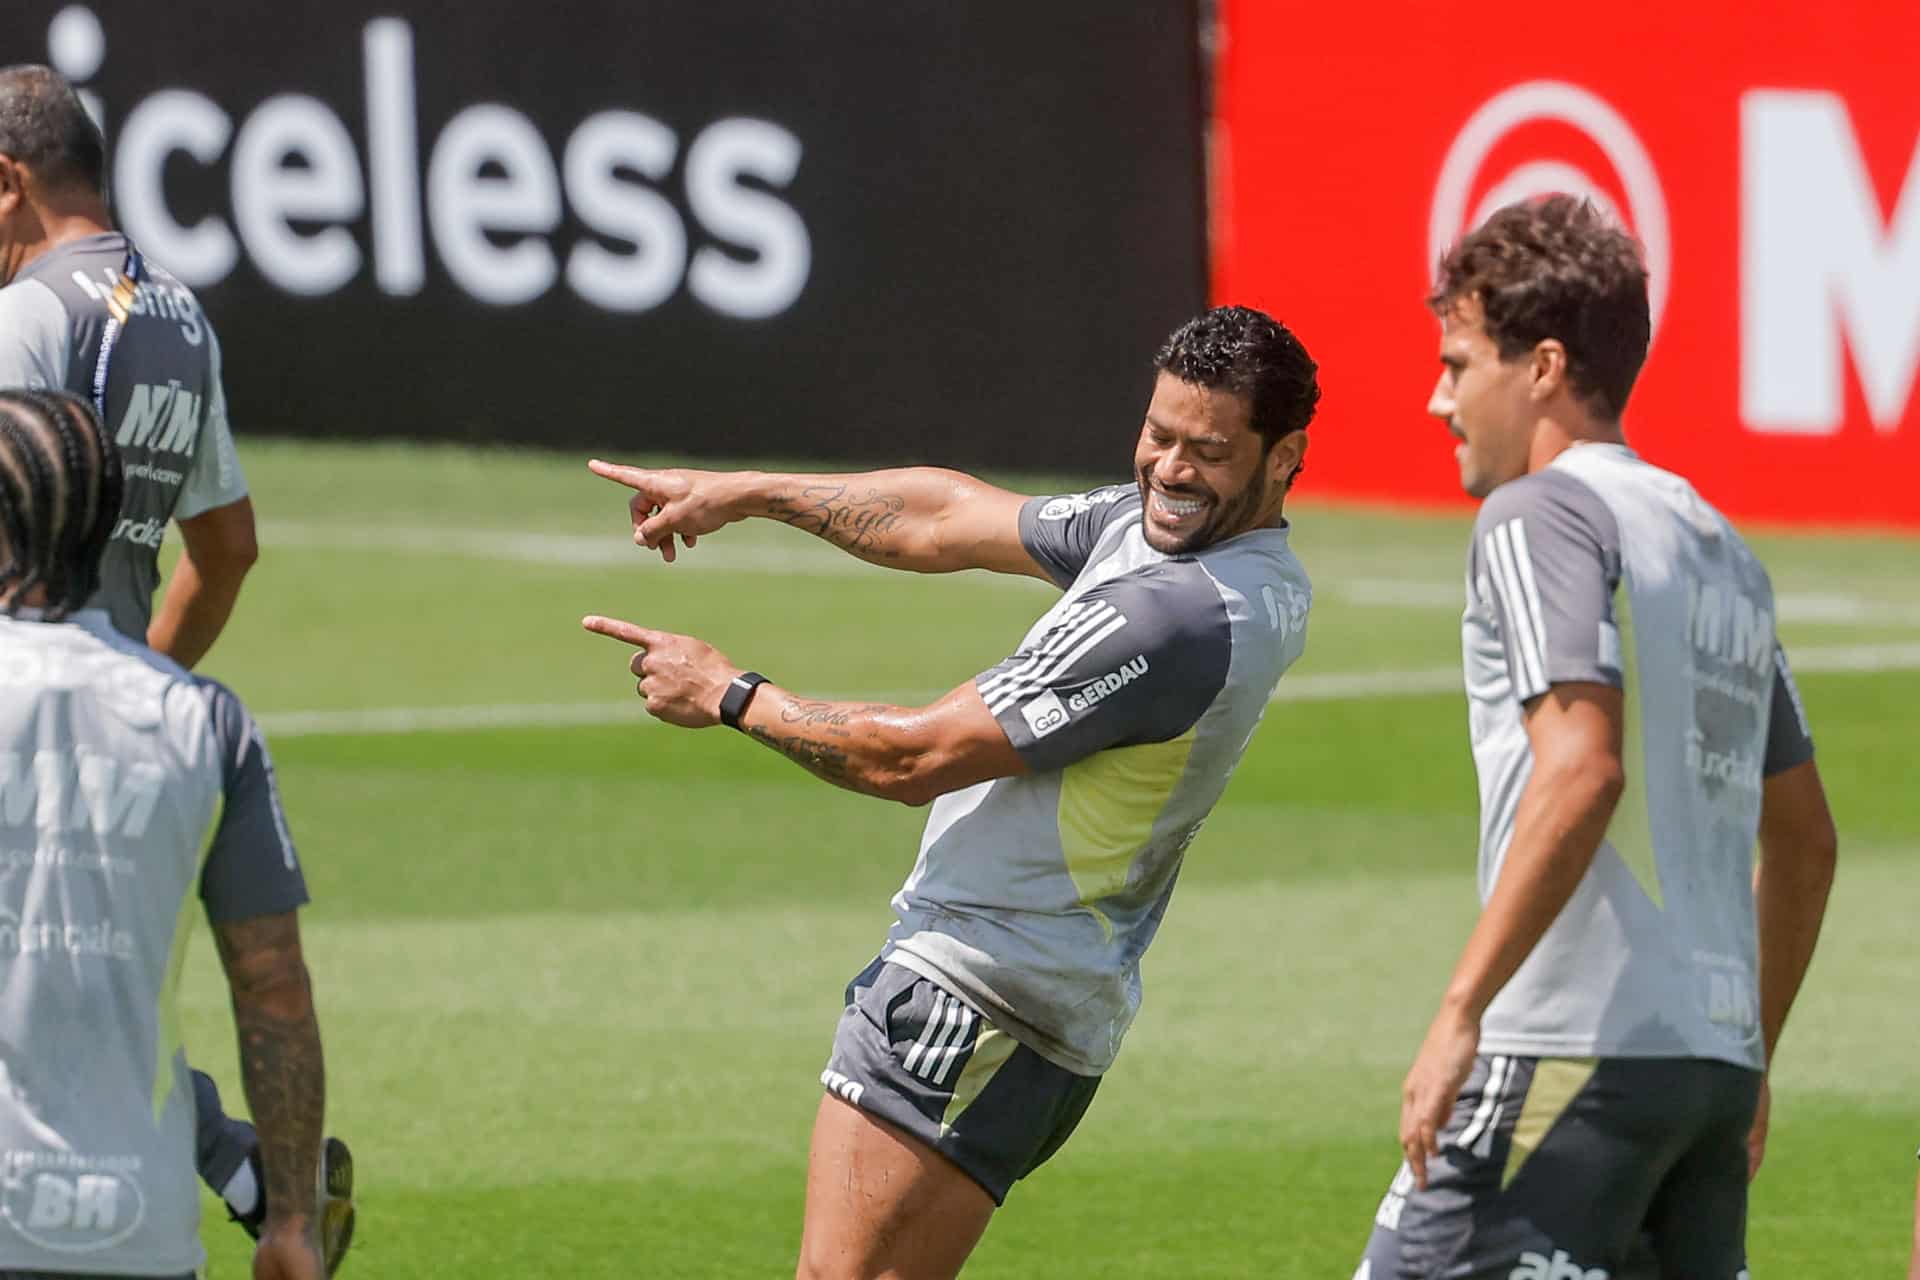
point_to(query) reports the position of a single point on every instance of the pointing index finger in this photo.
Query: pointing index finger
(625, 632)
(635, 478)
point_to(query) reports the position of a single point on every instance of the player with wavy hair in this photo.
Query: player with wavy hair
(1593, 1085)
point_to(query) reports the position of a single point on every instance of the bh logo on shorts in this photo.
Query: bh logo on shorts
(1570, 106)
(1558, 1267)
(72, 1212)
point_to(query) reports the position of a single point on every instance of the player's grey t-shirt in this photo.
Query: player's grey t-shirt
(115, 766)
(1131, 700)
(1603, 569)
(165, 406)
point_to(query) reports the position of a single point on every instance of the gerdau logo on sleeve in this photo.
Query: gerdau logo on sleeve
(1109, 684)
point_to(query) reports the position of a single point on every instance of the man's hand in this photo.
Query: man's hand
(288, 1252)
(669, 502)
(681, 678)
(1757, 1136)
(1433, 1085)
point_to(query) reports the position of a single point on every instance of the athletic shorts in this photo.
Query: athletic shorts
(922, 1059)
(1578, 1169)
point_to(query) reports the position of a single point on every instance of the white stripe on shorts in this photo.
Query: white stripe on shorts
(1497, 1071)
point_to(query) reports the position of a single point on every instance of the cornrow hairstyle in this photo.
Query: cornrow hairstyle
(60, 485)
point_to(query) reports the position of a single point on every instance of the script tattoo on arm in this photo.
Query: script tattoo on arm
(816, 755)
(280, 1057)
(866, 522)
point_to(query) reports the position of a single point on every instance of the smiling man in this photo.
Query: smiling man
(1066, 781)
(1591, 1091)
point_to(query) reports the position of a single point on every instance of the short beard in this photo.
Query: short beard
(1228, 516)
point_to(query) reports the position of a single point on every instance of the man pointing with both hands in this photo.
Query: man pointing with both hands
(1066, 782)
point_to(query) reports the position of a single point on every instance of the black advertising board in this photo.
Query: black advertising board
(876, 230)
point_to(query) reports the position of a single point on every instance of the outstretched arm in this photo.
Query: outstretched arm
(281, 1066)
(909, 754)
(925, 519)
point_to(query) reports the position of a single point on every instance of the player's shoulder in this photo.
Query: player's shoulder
(1175, 598)
(1108, 501)
(31, 301)
(1552, 495)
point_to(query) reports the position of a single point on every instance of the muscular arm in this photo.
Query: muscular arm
(1562, 817)
(280, 1060)
(1798, 849)
(896, 753)
(218, 547)
(925, 519)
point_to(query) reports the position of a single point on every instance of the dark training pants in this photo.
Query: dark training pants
(1579, 1169)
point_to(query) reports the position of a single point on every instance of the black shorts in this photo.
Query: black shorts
(922, 1059)
(1556, 1168)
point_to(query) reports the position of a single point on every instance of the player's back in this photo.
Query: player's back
(1656, 954)
(165, 408)
(110, 770)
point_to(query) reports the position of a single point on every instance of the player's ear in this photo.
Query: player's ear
(1548, 367)
(13, 185)
(1285, 457)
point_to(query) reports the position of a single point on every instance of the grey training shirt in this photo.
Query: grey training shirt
(1603, 569)
(1131, 700)
(127, 786)
(166, 408)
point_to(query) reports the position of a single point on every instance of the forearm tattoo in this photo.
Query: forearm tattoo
(865, 522)
(280, 1056)
(818, 756)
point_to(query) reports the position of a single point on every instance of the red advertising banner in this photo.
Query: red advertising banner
(1766, 154)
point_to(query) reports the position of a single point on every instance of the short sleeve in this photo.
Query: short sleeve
(35, 338)
(215, 478)
(1545, 562)
(1789, 736)
(1061, 532)
(252, 868)
(1137, 659)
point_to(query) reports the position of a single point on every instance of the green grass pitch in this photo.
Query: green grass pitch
(578, 972)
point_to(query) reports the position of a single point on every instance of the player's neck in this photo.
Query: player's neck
(62, 221)
(1554, 434)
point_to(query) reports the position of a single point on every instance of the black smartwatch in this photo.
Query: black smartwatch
(733, 703)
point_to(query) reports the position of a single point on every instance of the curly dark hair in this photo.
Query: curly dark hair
(1557, 268)
(1249, 353)
(60, 484)
(44, 126)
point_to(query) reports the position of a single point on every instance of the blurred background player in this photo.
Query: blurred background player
(1067, 782)
(1593, 1082)
(81, 309)
(118, 762)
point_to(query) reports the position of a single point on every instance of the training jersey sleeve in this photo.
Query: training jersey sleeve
(1137, 659)
(215, 478)
(1789, 736)
(1545, 562)
(34, 337)
(1061, 532)
(251, 868)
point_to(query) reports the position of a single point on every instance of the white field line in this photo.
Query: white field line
(1811, 659)
(799, 555)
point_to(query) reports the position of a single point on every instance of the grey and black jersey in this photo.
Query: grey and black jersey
(127, 788)
(1131, 700)
(1603, 569)
(165, 406)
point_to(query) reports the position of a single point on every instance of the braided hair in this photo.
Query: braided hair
(59, 499)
